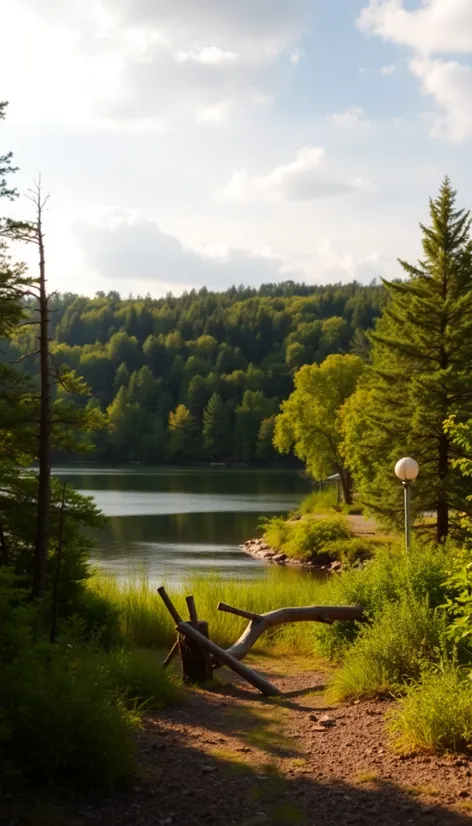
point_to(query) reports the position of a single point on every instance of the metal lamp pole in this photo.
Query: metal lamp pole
(407, 497)
(407, 471)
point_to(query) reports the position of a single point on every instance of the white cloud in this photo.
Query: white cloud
(388, 69)
(129, 248)
(350, 117)
(451, 85)
(145, 59)
(438, 26)
(304, 179)
(209, 54)
(216, 113)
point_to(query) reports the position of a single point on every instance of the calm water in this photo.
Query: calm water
(168, 523)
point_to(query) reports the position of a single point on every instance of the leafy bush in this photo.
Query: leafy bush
(61, 723)
(320, 501)
(436, 713)
(138, 678)
(310, 536)
(391, 652)
(459, 600)
(384, 580)
(67, 711)
(277, 532)
(353, 549)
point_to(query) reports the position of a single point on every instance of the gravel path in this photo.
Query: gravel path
(227, 756)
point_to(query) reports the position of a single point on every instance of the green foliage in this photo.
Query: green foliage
(319, 501)
(310, 537)
(384, 580)
(216, 429)
(173, 351)
(392, 651)
(61, 723)
(137, 677)
(459, 599)
(310, 422)
(68, 711)
(420, 376)
(182, 434)
(436, 713)
(277, 532)
(306, 538)
(354, 549)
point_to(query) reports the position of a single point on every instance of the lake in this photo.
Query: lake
(169, 523)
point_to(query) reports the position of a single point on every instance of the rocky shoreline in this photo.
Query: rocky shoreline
(259, 549)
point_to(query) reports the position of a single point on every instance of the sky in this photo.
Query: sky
(191, 143)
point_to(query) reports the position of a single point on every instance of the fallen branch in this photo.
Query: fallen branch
(218, 653)
(259, 623)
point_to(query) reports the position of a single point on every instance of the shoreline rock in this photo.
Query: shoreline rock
(260, 550)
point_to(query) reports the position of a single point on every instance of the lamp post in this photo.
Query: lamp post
(407, 470)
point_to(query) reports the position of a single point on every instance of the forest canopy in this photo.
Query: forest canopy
(201, 376)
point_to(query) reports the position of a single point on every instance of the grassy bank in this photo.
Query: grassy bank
(320, 532)
(405, 640)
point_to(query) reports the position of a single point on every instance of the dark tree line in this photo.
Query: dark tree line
(201, 376)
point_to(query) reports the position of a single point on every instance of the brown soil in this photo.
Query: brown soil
(227, 756)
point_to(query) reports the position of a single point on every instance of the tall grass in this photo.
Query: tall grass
(385, 579)
(146, 622)
(436, 713)
(392, 652)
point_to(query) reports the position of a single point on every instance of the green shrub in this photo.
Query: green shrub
(320, 501)
(61, 723)
(391, 652)
(349, 551)
(67, 711)
(436, 713)
(277, 532)
(459, 600)
(310, 536)
(138, 678)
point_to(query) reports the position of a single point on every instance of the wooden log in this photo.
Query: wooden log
(196, 661)
(262, 622)
(169, 605)
(228, 609)
(192, 611)
(223, 656)
(173, 651)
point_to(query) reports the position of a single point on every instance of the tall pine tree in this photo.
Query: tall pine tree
(420, 375)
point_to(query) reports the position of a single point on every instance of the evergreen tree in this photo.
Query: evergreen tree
(216, 428)
(182, 434)
(420, 376)
(254, 408)
(265, 448)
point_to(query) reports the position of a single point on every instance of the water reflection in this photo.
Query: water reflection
(168, 524)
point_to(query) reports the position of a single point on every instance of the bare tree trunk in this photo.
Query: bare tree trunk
(44, 452)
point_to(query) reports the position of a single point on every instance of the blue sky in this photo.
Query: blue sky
(192, 142)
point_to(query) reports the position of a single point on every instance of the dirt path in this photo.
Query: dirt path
(227, 756)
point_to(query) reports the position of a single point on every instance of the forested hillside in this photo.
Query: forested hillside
(199, 377)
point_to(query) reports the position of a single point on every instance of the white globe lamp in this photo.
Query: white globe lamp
(407, 470)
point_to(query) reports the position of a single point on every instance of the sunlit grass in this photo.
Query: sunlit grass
(146, 622)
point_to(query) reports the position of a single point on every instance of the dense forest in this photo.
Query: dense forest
(198, 377)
